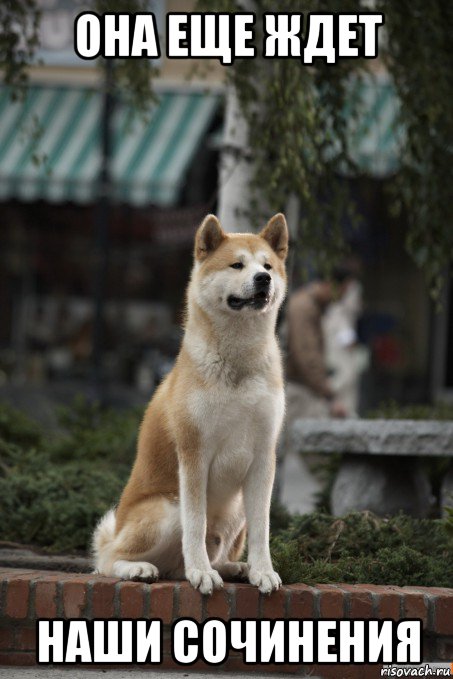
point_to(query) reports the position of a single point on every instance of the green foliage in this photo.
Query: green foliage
(420, 59)
(19, 40)
(19, 21)
(17, 428)
(296, 116)
(98, 435)
(55, 506)
(133, 78)
(449, 521)
(363, 548)
(279, 517)
(392, 410)
(53, 489)
(297, 133)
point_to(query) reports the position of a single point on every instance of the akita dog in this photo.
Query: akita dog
(205, 462)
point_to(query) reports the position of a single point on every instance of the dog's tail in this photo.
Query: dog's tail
(102, 542)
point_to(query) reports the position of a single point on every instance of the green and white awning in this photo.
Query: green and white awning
(50, 145)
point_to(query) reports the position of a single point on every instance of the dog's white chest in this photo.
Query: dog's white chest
(225, 413)
(235, 424)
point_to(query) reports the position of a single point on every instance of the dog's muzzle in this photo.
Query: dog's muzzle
(260, 298)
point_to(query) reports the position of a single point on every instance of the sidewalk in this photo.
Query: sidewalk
(76, 673)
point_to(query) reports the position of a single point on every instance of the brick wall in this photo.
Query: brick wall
(26, 595)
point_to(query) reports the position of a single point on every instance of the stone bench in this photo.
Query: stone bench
(380, 470)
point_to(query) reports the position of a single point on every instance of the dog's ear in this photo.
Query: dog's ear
(276, 234)
(208, 238)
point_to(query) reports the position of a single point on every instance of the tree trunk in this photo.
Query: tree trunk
(236, 168)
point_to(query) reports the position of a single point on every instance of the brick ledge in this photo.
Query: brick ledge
(26, 595)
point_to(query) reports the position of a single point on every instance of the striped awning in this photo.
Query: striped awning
(50, 145)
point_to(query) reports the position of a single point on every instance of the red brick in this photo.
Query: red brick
(17, 659)
(302, 601)
(132, 599)
(161, 604)
(74, 599)
(6, 637)
(247, 601)
(103, 596)
(415, 606)
(444, 614)
(17, 596)
(25, 639)
(360, 601)
(331, 602)
(218, 604)
(46, 599)
(189, 602)
(389, 605)
(273, 605)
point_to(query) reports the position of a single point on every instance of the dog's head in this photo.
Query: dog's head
(240, 273)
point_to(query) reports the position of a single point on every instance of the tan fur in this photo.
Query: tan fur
(206, 448)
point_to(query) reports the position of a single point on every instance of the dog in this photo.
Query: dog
(205, 463)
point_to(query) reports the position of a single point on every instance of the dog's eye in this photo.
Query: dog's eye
(237, 265)
(268, 267)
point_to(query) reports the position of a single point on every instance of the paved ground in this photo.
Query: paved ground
(77, 673)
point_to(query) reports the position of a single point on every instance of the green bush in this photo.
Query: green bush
(53, 489)
(15, 427)
(361, 547)
(92, 433)
(391, 410)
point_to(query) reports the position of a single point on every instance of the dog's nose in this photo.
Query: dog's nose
(262, 279)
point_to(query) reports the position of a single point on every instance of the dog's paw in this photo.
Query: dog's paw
(135, 570)
(204, 580)
(266, 581)
(238, 570)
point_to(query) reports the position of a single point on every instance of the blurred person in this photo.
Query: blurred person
(309, 391)
(346, 359)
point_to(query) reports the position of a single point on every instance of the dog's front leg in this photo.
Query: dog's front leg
(193, 488)
(257, 500)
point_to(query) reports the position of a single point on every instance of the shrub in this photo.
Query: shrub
(53, 490)
(16, 427)
(95, 434)
(361, 547)
(391, 410)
